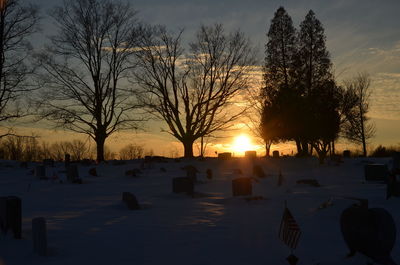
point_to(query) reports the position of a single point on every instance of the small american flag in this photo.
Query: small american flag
(289, 232)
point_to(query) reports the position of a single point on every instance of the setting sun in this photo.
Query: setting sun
(242, 143)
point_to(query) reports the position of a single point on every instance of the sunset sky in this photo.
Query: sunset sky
(362, 36)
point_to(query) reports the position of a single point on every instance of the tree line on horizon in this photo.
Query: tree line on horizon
(104, 71)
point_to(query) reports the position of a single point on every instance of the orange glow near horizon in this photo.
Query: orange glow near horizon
(241, 144)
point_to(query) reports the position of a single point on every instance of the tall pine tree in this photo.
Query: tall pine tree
(320, 116)
(280, 54)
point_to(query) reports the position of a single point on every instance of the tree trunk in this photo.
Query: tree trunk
(267, 149)
(100, 140)
(188, 148)
(304, 148)
(298, 145)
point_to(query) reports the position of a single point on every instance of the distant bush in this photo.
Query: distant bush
(382, 151)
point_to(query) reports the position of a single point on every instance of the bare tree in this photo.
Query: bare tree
(358, 129)
(17, 23)
(131, 151)
(194, 92)
(85, 67)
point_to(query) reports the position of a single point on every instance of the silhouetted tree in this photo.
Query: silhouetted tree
(325, 117)
(313, 73)
(278, 94)
(193, 93)
(85, 67)
(18, 21)
(131, 151)
(357, 127)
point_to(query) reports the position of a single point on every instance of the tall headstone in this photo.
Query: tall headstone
(14, 216)
(3, 215)
(396, 163)
(67, 160)
(72, 173)
(275, 154)
(241, 186)
(39, 236)
(209, 174)
(346, 153)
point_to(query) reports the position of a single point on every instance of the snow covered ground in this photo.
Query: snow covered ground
(89, 224)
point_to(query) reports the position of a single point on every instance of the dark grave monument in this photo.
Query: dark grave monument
(224, 156)
(130, 200)
(183, 184)
(73, 174)
(370, 231)
(346, 153)
(191, 172)
(376, 172)
(241, 186)
(258, 171)
(11, 215)
(93, 172)
(396, 163)
(40, 171)
(39, 236)
(275, 154)
(392, 187)
(67, 160)
(250, 154)
(209, 174)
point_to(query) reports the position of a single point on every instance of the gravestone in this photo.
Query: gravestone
(376, 172)
(40, 171)
(182, 184)
(258, 171)
(275, 154)
(10, 215)
(48, 162)
(67, 160)
(209, 174)
(72, 173)
(371, 232)
(392, 187)
(346, 153)
(130, 200)
(241, 186)
(39, 236)
(250, 154)
(225, 156)
(93, 172)
(3, 215)
(396, 163)
(191, 172)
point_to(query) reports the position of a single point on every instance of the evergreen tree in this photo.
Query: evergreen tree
(320, 111)
(277, 116)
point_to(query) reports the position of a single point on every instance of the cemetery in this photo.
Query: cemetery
(223, 210)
